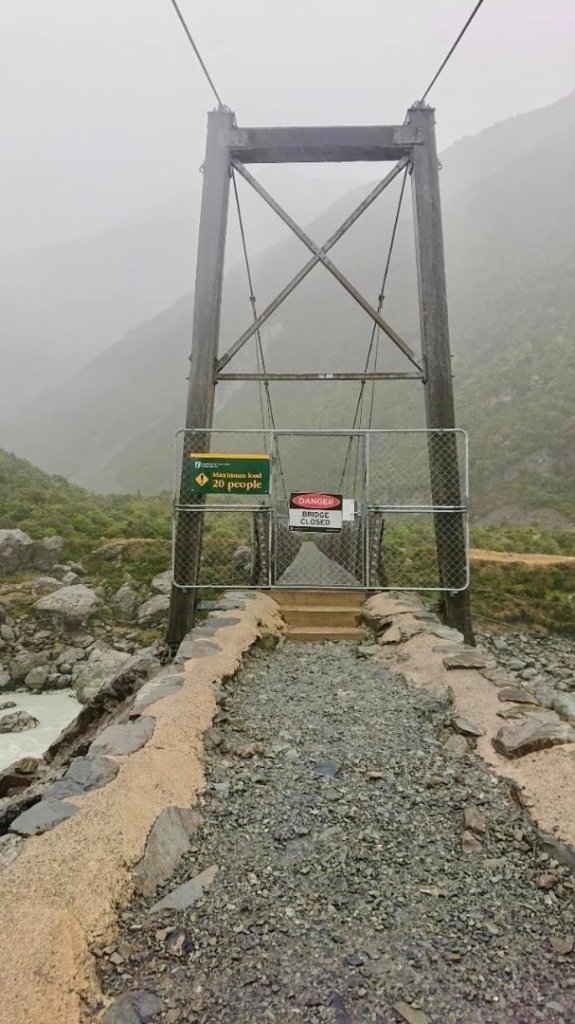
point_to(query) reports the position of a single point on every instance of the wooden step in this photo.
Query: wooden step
(319, 598)
(307, 615)
(311, 634)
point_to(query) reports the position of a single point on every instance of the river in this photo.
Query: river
(53, 710)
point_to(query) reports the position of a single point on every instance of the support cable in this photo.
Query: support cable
(452, 51)
(196, 51)
(374, 341)
(260, 358)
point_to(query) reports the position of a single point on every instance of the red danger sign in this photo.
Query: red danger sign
(314, 500)
(311, 510)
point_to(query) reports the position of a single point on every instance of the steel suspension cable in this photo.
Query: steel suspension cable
(358, 415)
(260, 358)
(451, 51)
(196, 51)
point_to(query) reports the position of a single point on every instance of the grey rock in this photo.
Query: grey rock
(137, 1007)
(475, 820)
(445, 633)
(392, 635)
(456, 745)
(516, 694)
(471, 658)
(189, 893)
(70, 606)
(327, 768)
(42, 817)
(83, 775)
(7, 704)
(97, 672)
(154, 611)
(268, 640)
(71, 655)
(465, 727)
(213, 738)
(557, 850)
(192, 648)
(69, 578)
(470, 843)
(162, 583)
(16, 551)
(564, 705)
(7, 634)
(167, 842)
(125, 603)
(24, 662)
(499, 643)
(517, 740)
(48, 583)
(410, 1014)
(515, 664)
(37, 678)
(162, 685)
(367, 650)
(123, 738)
(47, 552)
(18, 721)
(10, 847)
(6, 681)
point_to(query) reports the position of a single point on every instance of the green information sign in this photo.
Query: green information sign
(211, 473)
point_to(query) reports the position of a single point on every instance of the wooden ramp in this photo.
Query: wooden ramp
(317, 615)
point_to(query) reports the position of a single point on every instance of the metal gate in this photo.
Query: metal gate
(405, 512)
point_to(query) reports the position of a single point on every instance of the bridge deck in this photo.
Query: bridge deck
(312, 568)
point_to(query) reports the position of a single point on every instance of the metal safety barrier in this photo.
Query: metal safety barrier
(405, 514)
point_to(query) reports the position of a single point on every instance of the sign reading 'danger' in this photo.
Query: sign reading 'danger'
(216, 473)
(313, 511)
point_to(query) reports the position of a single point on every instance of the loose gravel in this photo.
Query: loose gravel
(351, 880)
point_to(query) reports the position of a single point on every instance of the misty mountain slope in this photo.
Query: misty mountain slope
(510, 244)
(63, 304)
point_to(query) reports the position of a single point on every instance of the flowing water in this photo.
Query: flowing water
(53, 710)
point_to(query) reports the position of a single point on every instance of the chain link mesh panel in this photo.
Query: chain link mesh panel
(409, 552)
(410, 529)
(417, 468)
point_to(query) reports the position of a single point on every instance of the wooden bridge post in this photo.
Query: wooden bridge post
(201, 381)
(440, 412)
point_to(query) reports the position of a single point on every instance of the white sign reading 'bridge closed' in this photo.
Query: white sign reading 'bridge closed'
(310, 510)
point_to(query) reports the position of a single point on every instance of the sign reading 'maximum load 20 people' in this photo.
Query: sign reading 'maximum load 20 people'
(217, 473)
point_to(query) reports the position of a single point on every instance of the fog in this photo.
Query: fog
(103, 131)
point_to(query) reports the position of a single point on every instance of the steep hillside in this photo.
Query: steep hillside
(510, 241)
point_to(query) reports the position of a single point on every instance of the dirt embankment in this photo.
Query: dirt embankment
(509, 557)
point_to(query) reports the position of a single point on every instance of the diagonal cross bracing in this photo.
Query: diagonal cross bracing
(319, 256)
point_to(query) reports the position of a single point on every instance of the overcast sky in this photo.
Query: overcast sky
(104, 106)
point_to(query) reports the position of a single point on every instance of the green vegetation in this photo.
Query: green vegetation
(119, 534)
(42, 505)
(524, 596)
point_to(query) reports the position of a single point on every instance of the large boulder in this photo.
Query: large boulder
(125, 603)
(154, 611)
(70, 606)
(46, 553)
(24, 662)
(99, 670)
(17, 721)
(37, 678)
(16, 551)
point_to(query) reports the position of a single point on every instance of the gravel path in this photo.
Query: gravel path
(344, 894)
